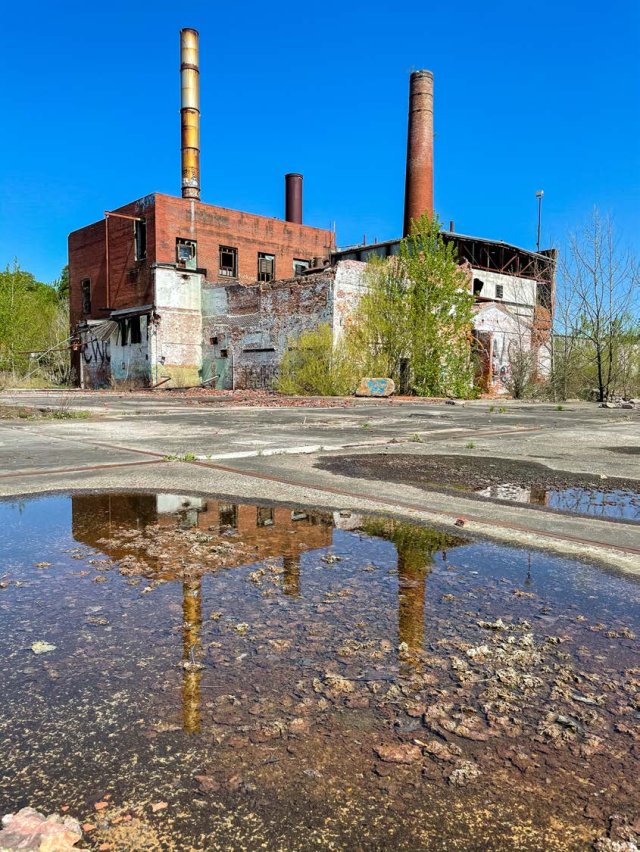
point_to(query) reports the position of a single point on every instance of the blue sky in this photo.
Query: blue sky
(527, 96)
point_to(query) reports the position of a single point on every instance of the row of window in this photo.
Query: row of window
(266, 270)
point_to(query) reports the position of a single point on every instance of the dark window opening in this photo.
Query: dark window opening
(186, 256)
(260, 349)
(140, 240)
(213, 341)
(228, 262)
(228, 515)
(300, 266)
(477, 286)
(266, 267)
(86, 296)
(264, 517)
(134, 330)
(124, 332)
(224, 353)
(499, 291)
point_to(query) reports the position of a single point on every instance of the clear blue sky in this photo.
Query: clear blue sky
(528, 95)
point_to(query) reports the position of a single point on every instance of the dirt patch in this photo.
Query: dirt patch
(624, 451)
(470, 473)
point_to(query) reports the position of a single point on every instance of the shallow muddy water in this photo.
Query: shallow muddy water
(222, 676)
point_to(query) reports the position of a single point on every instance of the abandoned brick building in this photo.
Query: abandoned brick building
(173, 292)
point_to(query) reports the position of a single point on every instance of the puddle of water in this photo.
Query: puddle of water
(617, 503)
(294, 680)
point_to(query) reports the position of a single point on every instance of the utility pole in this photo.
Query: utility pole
(539, 195)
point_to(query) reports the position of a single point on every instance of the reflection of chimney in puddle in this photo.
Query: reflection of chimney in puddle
(191, 624)
(291, 579)
(412, 570)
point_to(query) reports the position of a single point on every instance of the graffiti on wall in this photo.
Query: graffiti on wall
(96, 352)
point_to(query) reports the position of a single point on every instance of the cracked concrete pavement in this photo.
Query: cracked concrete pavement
(262, 453)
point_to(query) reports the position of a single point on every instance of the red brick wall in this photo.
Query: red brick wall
(87, 259)
(213, 226)
(168, 218)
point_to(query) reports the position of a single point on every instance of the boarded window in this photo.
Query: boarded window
(86, 296)
(228, 262)
(499, 291)
(266, 267)
(140, 238)
(186, 253)
(300, 266)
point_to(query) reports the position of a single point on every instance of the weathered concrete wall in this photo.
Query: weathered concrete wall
(349, 285)
(176, 349)
(246, 329)
(93, 360)
(521, 291)
(131, 362)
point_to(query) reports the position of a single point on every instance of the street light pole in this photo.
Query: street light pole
(539, 195)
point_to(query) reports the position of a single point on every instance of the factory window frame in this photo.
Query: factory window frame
(140, 238)
(228, 515)
(300, 266)
(266, 267)
(228, 266)
(124, 332)
(135, 332)
(264, 517)
(499, 291)
(186, 253)
(85, 287)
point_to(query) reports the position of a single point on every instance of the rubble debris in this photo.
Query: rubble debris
(29, 830)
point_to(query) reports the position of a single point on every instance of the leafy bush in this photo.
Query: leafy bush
(312, 365)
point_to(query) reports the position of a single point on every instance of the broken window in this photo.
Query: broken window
(228, 262)
(499, 291)
(266, 267)
(124, 332)
(86, 296)
(264, 517)
(477, 286)
(228, 515)
(186, 255)
(135, 335)
(300, 266)
(140, 238)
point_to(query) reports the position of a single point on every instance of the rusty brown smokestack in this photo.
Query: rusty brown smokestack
(293, 198)
(418, 193)
(190, 113)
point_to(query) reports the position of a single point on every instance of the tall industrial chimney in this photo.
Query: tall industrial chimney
(293, 198)
(190, 113)
(418, 193)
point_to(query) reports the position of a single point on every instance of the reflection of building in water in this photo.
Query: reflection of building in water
(515, 493)
(268, 531)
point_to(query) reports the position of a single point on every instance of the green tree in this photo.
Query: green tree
(28, 311)
(414, 318)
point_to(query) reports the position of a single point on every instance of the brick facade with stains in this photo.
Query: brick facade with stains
(164, 292)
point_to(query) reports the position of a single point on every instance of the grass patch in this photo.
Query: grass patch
(185, 457)
(469, 445)
(417, 439)
(23, 412)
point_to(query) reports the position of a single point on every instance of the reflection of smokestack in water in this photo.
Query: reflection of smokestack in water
(191, 624)
(291, 580)
(190, 113)
(418, 193)
(412, 570)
